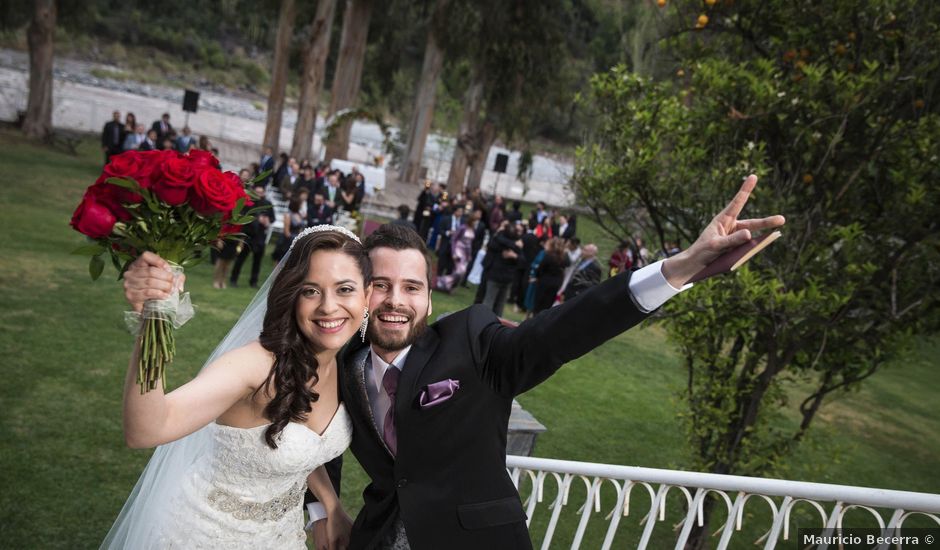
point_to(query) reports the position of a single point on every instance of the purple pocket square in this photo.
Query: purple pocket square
(438, 392)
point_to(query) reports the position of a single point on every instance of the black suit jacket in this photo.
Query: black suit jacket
(448, 482)
(112, 137)
(158, 128)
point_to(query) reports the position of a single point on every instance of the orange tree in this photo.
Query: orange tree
(834, 105)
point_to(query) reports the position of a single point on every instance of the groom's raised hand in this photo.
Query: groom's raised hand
(724, 232)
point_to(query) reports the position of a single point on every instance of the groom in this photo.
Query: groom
(430, 405)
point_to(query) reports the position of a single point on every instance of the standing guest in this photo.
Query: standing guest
(531, 247)
(496, 214)
(360, 180)
(437, 213)
(256, 235)
(461, 242)
(550, 274)
(504, 249)
(186, 141)
(282, 171)
(403, 212)
(426, 201)
(112, 137)
(133, 140)
(587, 274)
(330, 191)
(130, 124)
(266, 164)
(528, 302)
(346, 200)
(621, 259)
(573, 249)
(544, 229)
(319, 213)
(515, 215)
(162, 127)
(149, 144)
(566, 226)
(479, 235)
(228, 249)
(294, 223)
(641, 256)
(204, 144)
(538, 215)
(450, 223)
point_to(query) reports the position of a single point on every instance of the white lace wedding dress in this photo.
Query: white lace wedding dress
(244, 494)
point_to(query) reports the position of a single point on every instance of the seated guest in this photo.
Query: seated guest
(186, 141)
(133, 140)
(149, 144)
(319, 213)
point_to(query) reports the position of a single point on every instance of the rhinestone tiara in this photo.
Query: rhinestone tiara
(322, 228)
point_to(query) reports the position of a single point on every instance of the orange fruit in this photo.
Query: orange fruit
(919, 104)
(701, 21)
(661, 3)
(840, 49)
(807, 178)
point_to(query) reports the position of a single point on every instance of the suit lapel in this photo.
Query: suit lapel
(417, 360)
(355, 380)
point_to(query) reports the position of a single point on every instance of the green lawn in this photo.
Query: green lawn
(66, 472)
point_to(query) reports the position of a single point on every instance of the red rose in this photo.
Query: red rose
(175, 179)
(110, 196)
(92, 218)
(135, 165)
(203, 159)
(212, 193)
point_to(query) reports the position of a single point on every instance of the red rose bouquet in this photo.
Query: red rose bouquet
(173, 205)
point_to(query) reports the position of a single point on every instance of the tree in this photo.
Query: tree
(311, 82)
(423, 111)
(348, 77)
(515, 57)
(38, 121)
(834, 106)
(285, 31)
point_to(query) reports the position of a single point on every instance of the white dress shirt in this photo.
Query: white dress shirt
(649, 289)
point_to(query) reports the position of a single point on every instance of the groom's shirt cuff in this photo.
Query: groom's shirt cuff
(316, 511)
(650, 289)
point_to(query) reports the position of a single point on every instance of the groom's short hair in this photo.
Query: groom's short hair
(398, 237)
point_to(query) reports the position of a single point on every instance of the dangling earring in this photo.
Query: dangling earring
(365, 324)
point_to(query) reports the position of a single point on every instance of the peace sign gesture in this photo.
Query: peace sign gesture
(724, 232)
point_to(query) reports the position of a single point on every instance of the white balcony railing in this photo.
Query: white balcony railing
(830, 501)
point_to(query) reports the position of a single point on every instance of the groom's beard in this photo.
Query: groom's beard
(390, 341)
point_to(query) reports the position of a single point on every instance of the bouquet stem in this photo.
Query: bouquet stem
(158, 341)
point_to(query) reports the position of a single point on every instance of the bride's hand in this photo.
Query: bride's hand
(148, 278)
(338, 529)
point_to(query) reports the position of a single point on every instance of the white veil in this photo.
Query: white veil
(163, 475)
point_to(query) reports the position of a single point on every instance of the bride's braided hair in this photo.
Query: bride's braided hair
(295, 363)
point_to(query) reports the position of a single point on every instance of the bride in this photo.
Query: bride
(238, 445)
